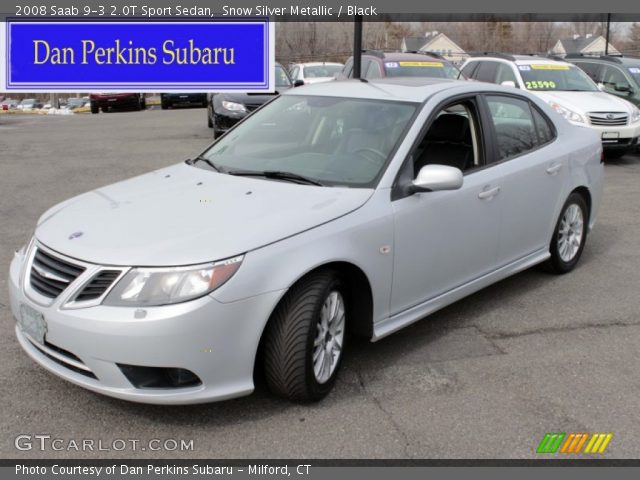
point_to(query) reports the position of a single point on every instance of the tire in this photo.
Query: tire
(296, 333)
(104, 109)
(614, 154)
(564, 259)
(209, 121)
(143, 103)
(164, 105)
(94, 108)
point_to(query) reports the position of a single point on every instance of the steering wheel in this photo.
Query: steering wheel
(381, 157)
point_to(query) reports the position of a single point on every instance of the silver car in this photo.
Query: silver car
(337, 209)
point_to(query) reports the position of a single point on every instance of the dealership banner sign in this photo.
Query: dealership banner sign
(146, 56)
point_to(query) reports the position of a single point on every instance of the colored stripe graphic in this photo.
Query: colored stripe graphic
(572, 443)
(550, 443)
(598, 443)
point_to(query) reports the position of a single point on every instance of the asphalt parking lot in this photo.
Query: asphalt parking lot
(485, 378)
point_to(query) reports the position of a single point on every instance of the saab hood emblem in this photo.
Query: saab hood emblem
(75, 235)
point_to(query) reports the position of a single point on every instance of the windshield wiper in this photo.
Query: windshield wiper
(200, 158)
(274, 174)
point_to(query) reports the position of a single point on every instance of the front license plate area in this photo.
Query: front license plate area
(32, 323)
(610, 136)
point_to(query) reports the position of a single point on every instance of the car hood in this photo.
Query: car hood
(183, 215)
(583, 102)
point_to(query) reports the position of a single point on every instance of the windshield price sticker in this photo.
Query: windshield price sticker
(391, 64)
(422, 64)
(524, 68)
(634, 69)
(550, 67)
(540, 85)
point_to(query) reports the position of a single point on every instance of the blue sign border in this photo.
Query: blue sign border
(152, 86)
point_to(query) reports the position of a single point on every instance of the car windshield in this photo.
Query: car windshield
(556, 77)
(433, 68)
(334, 141)
(635, 73)
(282, 80)
(319, 71)
(28, 101)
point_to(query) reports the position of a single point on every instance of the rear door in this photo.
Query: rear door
(535, 169)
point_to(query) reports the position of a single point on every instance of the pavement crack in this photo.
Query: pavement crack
(376, 401)
(559, 329)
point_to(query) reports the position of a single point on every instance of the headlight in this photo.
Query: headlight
(163, 286)
(233, 106)
(635, 115)
(567, 113)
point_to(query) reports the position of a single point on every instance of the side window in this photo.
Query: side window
(611, 77)
(453, 139)
(348, 68)
(486, 72)
(294, 73)
(505, 74)
(590, 69)
(468, 69)
(373, 71)
(545, 131)
(364, 66)
(514, 126)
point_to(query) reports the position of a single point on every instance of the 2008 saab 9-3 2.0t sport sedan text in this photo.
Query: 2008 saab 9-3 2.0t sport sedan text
(338, 209)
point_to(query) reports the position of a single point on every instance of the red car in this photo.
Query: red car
(103, 101)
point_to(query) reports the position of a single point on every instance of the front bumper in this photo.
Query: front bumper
(626, 138)
(185, 98)
(214, 340)
(224, 121)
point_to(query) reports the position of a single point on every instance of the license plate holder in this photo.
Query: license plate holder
(32, 323)
(610, 136)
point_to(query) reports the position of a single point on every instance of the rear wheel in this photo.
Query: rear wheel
(164, 104)
(305, 338)
(94, 108)
(104, 109)
(209, 115)
(569, 235)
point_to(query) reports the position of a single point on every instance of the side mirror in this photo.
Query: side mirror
(621, 87)
(433, 178)
(298, 83)
(509, 83)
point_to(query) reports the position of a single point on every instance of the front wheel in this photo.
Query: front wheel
(305, 339)
(569, 235)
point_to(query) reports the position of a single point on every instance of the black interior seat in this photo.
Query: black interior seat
(448, 142)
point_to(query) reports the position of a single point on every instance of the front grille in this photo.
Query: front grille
(50, 275)
(98, 285)
(608, 119)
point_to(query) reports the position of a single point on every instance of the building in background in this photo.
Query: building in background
(590, 45)
(435, 42)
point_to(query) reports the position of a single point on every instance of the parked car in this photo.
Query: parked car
(168, 100)
(29, 104)
(377, 64)
(568, 90)
(74, 103)
(338, 209)
(105, 101)
(8, 104)
(224, 110)
(314, 72)
(618, 75)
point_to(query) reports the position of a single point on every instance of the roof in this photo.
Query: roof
(575, 45)
(416, 43)
(400, 56)
(620, 60)
(317, 64)
(411, 89)
(520, 59)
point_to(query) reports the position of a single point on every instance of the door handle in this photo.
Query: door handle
(489, 193)
(553, 169)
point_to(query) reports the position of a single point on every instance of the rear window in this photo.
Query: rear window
(319, 71)
(432, 68)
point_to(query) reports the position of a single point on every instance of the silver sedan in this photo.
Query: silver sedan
(337, 209)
